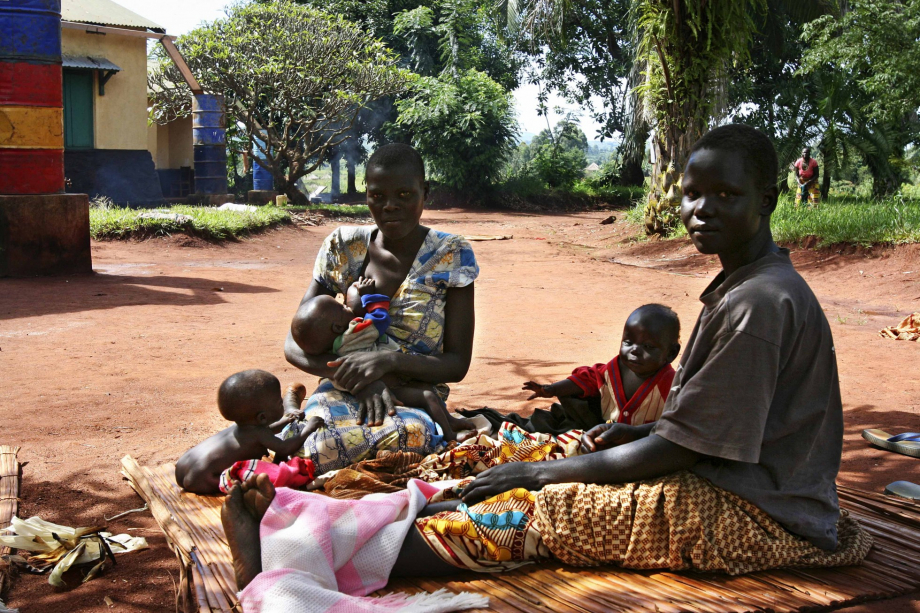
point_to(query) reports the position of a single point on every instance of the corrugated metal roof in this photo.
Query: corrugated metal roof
(92, 63)
(105, 13)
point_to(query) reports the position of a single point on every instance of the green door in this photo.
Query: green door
(78, 109)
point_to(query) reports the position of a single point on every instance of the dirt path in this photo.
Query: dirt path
(127, 361)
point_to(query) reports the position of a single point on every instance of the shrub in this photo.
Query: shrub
(464, 128)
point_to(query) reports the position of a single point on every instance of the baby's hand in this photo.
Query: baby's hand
(291, 417)
(539, 391)
(365, 286)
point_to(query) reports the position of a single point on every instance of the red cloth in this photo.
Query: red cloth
(593, 379)
(296, 472)
(806, 172)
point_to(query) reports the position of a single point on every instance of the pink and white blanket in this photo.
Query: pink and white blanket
(325, 555)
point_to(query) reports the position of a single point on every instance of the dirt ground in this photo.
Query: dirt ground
(127, 361)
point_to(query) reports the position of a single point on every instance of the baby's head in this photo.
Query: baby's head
(251, 398)
(651, 339)
(318, 322)
(729, 190)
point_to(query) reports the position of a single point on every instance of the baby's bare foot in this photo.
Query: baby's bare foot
(293, 397)
(241, 515)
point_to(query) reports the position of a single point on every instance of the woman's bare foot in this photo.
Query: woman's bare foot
(241, 515)
(293, 397)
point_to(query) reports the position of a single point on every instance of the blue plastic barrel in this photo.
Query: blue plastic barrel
(30, 30)
(261, 178)
(209, 138)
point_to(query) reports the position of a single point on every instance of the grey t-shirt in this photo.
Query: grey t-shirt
(757, 393)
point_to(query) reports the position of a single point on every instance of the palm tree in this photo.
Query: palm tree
(684, 50)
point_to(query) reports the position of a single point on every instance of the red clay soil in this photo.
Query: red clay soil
(127, 361)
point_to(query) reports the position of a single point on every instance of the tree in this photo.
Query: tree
(585, 53)
(464, 128)
(684, 50)
(876, 43)
(866, 60)
(555, 157)
(294, 76)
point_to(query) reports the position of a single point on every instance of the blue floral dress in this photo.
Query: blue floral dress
(416, 326)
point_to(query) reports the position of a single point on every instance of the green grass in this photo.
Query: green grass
(342, 209)
(206, 222)
(888, 222)
(856, 221)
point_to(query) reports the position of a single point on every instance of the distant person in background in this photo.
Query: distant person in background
(806, 173)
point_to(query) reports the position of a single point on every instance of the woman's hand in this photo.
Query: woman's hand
(502, 478)
(375, 402)
(539, 391)
(606, 436)
(356, 371)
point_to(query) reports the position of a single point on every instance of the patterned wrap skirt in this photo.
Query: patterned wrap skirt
(342, 442)
(677, 522)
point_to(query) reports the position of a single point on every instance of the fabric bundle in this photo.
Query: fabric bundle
(907, 330)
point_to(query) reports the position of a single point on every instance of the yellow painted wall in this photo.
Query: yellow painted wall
(171, 145)
(120, 116)
(153, 144)
(181, 151)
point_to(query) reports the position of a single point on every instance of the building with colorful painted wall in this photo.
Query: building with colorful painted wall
(109, 149)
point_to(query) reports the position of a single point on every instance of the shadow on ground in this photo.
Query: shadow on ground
(36, 297)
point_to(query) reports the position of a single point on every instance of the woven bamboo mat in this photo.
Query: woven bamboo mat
(192, 525)
(9, 500)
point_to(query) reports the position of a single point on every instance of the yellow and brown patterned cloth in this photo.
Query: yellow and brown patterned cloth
(511, 444)
(389, 472)
(678, 522)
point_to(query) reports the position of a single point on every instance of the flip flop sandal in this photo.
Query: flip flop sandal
(904, 489)
(907, 443)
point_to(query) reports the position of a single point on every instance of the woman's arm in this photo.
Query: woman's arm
(646, 458)
(313, 364)
(357, 370)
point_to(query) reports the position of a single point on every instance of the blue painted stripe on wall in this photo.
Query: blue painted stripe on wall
(30, 30)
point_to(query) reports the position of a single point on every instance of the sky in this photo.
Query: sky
(180, 16)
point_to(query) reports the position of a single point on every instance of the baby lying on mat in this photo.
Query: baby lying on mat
(325, 325)
(252, 399)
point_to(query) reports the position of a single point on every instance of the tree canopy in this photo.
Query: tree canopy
(293, 76)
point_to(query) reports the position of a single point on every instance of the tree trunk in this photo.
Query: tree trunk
(335, 190)
(634, 153)
(662, 213)
(350, 170)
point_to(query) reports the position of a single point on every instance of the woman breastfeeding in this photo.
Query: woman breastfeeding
(429, 277)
